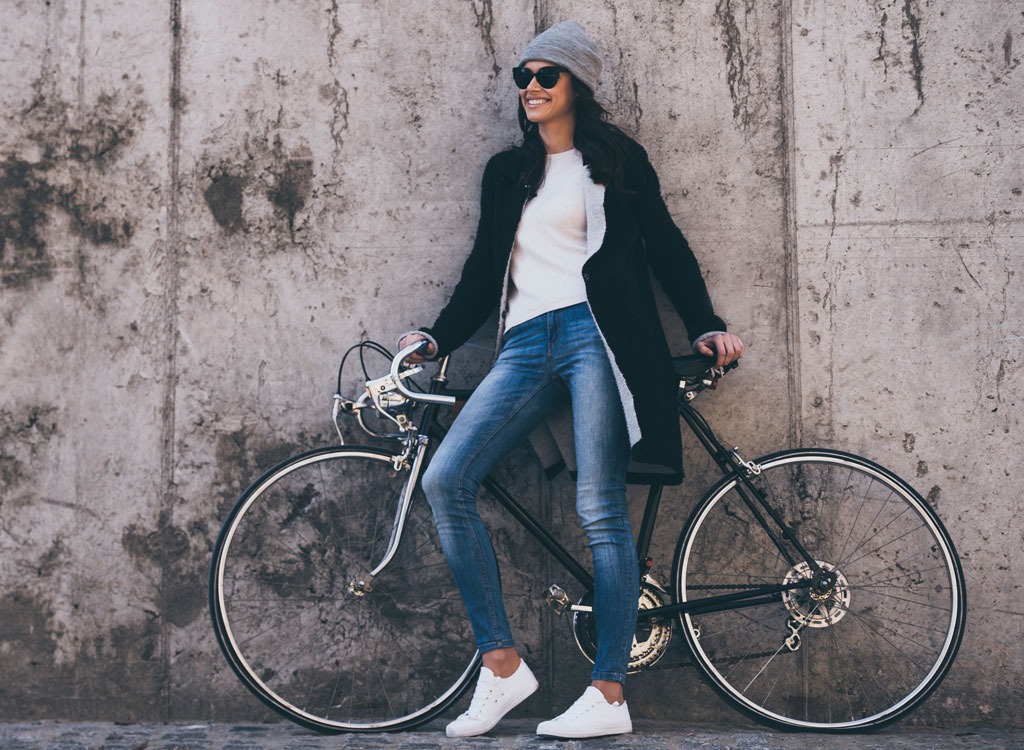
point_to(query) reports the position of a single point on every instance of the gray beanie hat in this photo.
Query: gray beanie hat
(567, 45)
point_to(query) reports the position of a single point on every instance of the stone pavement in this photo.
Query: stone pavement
(512, 735)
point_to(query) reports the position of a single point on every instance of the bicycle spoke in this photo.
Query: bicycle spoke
(317, 652)
(869, 645)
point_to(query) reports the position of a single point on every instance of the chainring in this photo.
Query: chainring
(650, 642)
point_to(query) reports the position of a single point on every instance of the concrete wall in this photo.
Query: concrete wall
(202, 203)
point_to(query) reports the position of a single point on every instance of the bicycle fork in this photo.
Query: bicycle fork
(362, 585)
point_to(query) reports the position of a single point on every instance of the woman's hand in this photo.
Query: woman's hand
(727, 347)
(423, 354)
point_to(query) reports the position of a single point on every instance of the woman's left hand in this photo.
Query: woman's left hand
(727, 347)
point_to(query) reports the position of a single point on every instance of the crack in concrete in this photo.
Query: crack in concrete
(964, 264)
(738, 60)
(881, 46)
(828, 302)
(835, 164)
(912, 24)
(485, 22)
(340, 109)
(735, 64)
(171, 334)
(638, 111)
(540, 16)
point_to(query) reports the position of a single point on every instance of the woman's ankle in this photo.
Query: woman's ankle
(503, 662)
(612, 691)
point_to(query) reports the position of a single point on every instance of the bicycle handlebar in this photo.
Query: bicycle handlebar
(397, 377)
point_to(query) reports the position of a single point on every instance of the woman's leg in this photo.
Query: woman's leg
(602, 458)
(513, 398)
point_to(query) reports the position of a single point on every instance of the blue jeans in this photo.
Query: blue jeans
(556, 356)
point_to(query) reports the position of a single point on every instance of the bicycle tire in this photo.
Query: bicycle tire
(868, 653)
(293, 631)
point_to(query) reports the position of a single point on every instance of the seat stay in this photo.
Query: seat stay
(729, 463)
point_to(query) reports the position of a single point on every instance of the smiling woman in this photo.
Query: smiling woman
(572, 223)
(547, 96)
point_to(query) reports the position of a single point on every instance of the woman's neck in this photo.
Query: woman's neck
(557, 135)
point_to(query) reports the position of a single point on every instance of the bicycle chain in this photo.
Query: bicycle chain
(732, 660)
(726, 587)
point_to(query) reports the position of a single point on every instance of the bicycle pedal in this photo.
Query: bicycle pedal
(557, 599)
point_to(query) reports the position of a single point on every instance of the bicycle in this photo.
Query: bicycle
(814, 589)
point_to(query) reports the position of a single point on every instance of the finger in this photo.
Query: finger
(721, 349)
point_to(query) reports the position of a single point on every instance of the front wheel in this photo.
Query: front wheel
(854, 654)
(301, 624)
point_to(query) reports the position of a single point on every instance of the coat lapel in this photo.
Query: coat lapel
(593, 202)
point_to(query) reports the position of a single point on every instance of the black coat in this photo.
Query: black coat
(640, 237)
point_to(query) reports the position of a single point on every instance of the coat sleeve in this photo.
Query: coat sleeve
(478, 291)
(669, 254)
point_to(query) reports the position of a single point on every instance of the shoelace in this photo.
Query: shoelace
(481, 696)
(583, 705)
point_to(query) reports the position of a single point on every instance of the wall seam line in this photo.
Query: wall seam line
(171, 286)
(791, 276)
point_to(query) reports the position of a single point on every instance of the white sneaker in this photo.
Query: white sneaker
(493, 698)
(590, 716)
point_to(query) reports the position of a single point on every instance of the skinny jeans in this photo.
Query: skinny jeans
(543, 362)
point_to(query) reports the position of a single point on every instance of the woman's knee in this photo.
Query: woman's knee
(436, 483)
(606, 521)
(445, 482)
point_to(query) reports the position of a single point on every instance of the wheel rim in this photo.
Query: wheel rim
(867, 650)
(293, 628)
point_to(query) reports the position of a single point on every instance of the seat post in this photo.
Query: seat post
(643, 541)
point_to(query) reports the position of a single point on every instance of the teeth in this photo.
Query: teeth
(535, 101)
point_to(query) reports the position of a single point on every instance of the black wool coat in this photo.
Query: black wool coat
(639, 239)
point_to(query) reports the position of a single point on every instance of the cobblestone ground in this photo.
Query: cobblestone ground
(514, 735)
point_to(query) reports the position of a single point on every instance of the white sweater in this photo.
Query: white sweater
(551, 243)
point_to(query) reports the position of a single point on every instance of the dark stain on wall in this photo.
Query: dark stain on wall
(25, 198)
(21, 436)
(291, 189)
(60, 166)
(113, 675)
(181, 598)
(241, 458)
(224, 197)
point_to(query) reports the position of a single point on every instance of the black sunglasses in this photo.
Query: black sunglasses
(547, 76)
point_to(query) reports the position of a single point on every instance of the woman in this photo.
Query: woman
(571, 224)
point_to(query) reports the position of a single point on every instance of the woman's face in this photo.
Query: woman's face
(547, 105)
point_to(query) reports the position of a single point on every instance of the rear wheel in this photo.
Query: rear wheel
(856, 653)
(299, 630)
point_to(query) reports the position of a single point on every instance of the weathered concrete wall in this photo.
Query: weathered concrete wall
(908, 224)
(203, 203)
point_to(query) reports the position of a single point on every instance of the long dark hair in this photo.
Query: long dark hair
(605, 148)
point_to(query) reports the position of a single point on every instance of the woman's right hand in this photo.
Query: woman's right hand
(423, 354)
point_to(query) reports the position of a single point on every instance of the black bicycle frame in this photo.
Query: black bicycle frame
(727, 462)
